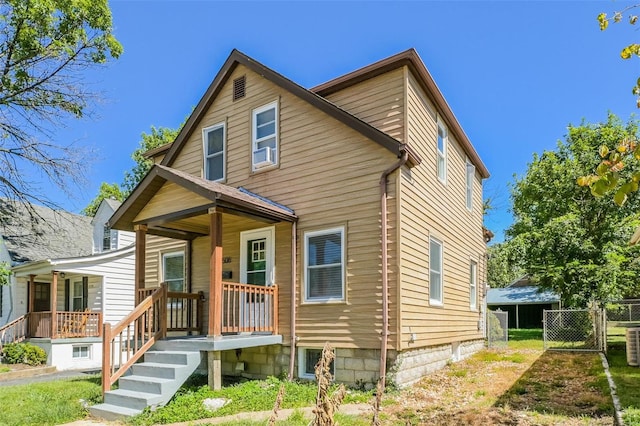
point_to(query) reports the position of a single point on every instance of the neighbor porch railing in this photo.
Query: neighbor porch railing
(15, 331)
(249, 308)
(67, 324)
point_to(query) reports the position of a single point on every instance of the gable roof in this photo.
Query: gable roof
(106, 204)
(51, 234)
(235, 58)
(238, 200)
(411, 59)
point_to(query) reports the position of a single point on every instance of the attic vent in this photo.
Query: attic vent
(239, 87)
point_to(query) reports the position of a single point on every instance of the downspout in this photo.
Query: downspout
(294, 273)
(385, 280)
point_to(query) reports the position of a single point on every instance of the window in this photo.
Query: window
(214, 164)
(78, 297)
(173, 271)
(442, 152)
(324, 265)
(82, 352)
(471, 173)
(473, 285)
(435, 272)
(307, 360)
(106, 238)
(265, 136)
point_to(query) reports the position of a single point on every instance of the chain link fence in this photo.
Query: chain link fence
(497, 329)
(624, 311)
(575, 329)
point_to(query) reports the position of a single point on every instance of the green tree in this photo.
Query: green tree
(159, 136)
(107, 190)
(504, 263)
(45, 47)
(574, 243)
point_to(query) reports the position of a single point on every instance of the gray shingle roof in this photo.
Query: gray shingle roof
(520, 296)
(53, 234)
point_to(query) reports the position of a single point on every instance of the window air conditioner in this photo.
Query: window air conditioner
(263, 157)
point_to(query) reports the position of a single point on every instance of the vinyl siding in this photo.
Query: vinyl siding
(329, 174)
(430, 208)
(378, 101)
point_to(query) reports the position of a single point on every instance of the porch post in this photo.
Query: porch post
(141, 248)
(32, 293)
(54, 304)
(215, 274)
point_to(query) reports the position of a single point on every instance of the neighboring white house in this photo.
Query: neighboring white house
(65, 297)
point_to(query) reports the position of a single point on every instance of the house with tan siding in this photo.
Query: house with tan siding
(348, 213)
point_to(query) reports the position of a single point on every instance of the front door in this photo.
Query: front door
(41, 297)
(257, 268)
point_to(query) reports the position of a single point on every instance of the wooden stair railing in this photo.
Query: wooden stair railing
(127, 341)
(15, 331)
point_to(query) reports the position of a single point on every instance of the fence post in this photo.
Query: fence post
(106, 358)
(544, 329)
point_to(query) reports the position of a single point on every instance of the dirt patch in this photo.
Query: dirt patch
(509, 387)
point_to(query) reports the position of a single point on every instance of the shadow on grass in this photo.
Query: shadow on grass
(561, 383)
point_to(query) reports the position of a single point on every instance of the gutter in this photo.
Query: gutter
(294, 274)
(385, 280)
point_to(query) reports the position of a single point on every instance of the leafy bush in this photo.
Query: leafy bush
(23, 353)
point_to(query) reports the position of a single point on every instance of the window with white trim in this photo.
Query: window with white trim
(214, 152)
(173, 271)
(307, 360)
(106, 238)
(264, 145)
(473, 285)
(78, 296)
(435, 272)
(324, 265)
(82, 352)
(471, 173)
(441, 161)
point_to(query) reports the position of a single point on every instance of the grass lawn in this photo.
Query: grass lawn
(49, 403)
(521, 384)
(627, 380)
(253, 395)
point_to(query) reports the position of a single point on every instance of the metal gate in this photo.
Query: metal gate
(575, 330)
(497, 329)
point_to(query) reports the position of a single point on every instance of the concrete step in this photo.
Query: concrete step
(148, 384)
(170, 357)
(144, 384)
(111, 412)
(154, 369)
(132, 399)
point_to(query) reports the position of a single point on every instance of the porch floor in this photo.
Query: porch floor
(223, 343)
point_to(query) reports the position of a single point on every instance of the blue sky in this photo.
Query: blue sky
(515, 73)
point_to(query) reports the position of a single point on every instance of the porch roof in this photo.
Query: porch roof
(233, 200)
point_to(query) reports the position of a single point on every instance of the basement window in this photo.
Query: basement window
(307, 360)
(82, 352)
